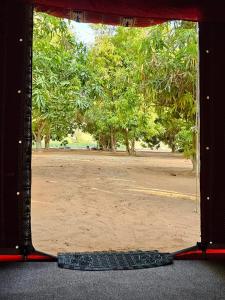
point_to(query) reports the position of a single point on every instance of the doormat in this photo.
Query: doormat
(105, 261)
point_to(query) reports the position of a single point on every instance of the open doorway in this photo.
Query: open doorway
(116, 114)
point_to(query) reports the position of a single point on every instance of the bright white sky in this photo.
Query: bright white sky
(84, 32)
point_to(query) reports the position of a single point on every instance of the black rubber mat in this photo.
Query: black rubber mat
(103, 261)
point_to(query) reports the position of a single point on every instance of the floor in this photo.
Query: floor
(182, 280)
(98, 201)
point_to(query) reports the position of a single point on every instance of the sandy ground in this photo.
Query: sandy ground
(87, 200)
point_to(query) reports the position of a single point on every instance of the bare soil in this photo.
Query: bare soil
(89, 201)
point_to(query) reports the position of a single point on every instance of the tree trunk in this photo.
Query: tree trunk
(127, 141)
(173, 148)
(99, 144)
(194, 156)
(102, 143)
(194, 164)
(38, 142)
(112, 141)
(108, 144)
(39, 135)
(47, 141)
(133, 152)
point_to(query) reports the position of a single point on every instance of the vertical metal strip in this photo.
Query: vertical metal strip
(27, 131)
(205, 134)
(2, 119)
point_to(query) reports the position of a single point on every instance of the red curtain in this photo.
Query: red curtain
(133, 12)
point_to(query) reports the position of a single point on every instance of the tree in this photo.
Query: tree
(117, 111)
(56, 79)
(131, 85)
(170, 67)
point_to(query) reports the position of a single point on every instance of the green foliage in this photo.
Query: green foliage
(57, 78)
(170, 71)
(184, 140)
(131, 85)
(117, 112)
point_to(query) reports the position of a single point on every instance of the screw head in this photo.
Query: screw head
(19, 91)
(18, 193)
(20, 40)
(207, 97)
(207, 51)
(208, 198)
(17, 247)
(210, 242)
(20, 142)
(207, 148)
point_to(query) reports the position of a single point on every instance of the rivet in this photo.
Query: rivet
(207, 97)
(18, 193)
(20, 142)
(210, 242)
(207, 51)
(19, 91)
(207, 148)
(208, 198)
(17, 247)
(20, 40)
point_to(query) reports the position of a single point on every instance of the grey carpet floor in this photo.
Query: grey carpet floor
(182, 280)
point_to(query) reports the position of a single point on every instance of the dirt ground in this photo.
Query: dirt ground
(89, 200)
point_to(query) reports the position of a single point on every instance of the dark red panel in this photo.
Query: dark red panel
(14, 60)
(10, 130)
(40, 256)
(161, 9)
(144, 13)
(197, 254)
(212, 132)
(13, 70)
(103, 18)
(11, 258)
(33, 256)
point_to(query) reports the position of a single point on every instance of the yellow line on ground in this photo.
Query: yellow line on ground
(104, 191)
(119, 179)
(164, 193)
(162, 190)
(36, 201)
